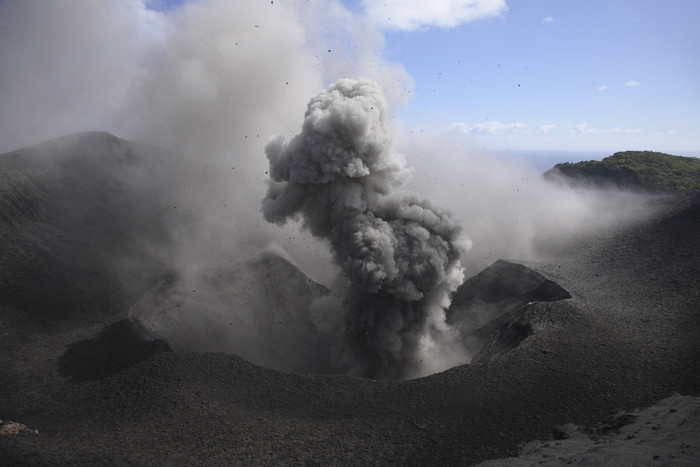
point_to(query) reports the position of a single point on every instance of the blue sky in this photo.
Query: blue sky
(596, 75)
(554, 74)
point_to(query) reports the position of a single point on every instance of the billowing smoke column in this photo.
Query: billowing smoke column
(400, 254)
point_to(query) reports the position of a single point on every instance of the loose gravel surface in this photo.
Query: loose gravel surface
(627, 339)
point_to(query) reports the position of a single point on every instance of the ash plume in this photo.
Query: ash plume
(400, 255)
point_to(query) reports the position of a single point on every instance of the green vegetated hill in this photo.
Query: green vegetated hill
(641, 170)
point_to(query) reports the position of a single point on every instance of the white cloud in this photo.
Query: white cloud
(488, 127)
(546, 128)
(602, 87)
(623, 130)
(667, 133)
(632, 83)
(548, 19)
(584, 129)
(409, 15)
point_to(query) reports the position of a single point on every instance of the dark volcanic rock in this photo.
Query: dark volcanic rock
(501, 335)
(491, 308)
(500, 287)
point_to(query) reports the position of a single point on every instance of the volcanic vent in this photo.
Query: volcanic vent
(270, 313)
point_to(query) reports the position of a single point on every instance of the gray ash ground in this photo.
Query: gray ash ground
(627, 339)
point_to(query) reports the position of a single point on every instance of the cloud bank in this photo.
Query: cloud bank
(583, 129)
(407, 15)
(490, 127)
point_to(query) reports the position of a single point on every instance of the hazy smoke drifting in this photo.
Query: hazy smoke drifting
(400, 254)
(512, 211)
(210, 79)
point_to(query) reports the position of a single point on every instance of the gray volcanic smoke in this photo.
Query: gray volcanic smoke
(400, 254)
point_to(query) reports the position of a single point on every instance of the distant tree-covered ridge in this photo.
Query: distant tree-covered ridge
(641, 170)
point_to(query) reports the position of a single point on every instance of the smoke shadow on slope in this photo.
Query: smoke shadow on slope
(117, 347)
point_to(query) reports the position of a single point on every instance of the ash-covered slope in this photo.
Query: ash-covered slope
(627, 338)
(257, 309)
(86, 224)
(90, 223)
(491, 309)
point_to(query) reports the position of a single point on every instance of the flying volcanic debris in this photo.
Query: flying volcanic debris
(400, 254)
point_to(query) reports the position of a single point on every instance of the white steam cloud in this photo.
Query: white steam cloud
(400, 254)
(212, 79)
(414, 14)
(512, 212)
